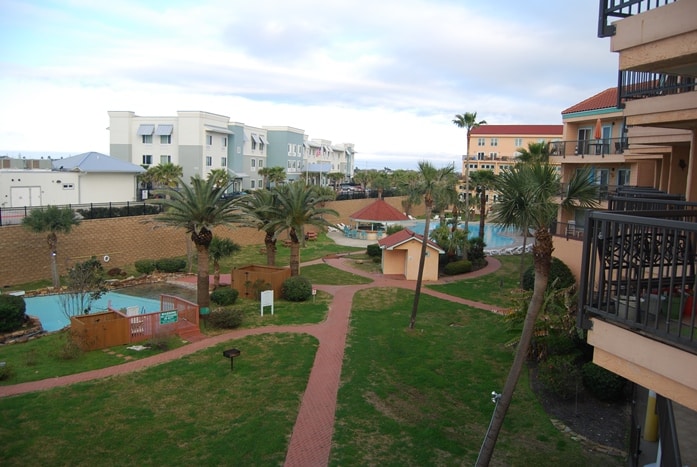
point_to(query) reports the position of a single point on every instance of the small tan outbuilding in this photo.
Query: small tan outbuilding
(401, 252)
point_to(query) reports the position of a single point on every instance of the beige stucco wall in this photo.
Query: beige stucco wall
(404, 259)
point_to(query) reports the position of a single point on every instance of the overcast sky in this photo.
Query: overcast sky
(388, 76)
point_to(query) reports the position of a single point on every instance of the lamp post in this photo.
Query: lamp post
(495, 397)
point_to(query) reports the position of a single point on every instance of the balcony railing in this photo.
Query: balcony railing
(642, 84)
(638, 271)
(588, 147)
(14, 216)
(613, 9)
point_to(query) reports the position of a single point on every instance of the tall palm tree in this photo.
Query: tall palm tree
(407, 182)
(483, 179)
(541, 204)
(166, 175)
(218, 249)
(52, 220)
(277, 175)
(535, 152)
(296, 206)
(222, 177)
(432, 180)
(468, 120)
(199, 207)
(260, 205)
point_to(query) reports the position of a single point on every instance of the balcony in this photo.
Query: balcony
(638, 269)
(617, 9)
(588, 148)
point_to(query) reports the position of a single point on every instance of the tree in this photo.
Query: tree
(260, 206)
(198, 208)
(483, 179)
(166, 175)
(53, 220)
(535, 152)
(540, 181)
(432, 180)
(218, 249)
(222, 177)
(468, 120)
(407, 181)
(85, 285)
(296, 206)
(277, 175)
(335, 178)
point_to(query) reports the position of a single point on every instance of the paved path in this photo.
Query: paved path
(310, 442)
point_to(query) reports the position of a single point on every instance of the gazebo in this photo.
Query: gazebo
(372, 221)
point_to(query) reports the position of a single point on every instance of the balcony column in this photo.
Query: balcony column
(691, 191)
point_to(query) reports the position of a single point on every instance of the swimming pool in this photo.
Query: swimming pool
(49, 311)
(495, 236)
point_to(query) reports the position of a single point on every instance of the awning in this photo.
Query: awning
(255, 139)
(263, 140)
(145, 129)
(237, 175)
(218, 129)
(164, 130)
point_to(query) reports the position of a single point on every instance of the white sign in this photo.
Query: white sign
(266, 300)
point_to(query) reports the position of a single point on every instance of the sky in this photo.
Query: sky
(388, 76)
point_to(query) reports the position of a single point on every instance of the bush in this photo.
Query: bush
(560, 375)
(12, 313)
(145, 266)
(224, 296)
(170, 264)
(475, 250)
(603, 384)
(458, 267)
(226, 318)
(394, 228)
(374, 250)
(116, 272)
(6, 371)
(296, 289)
(559, 271)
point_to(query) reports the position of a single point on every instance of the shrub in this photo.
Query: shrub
(475, 250)
(374, 250)
(116, 272)
(160, 342)
(12, 313)
(170, 264)
(226, 318)
(603, 384)
(296, 289)
(394, 228)
(6, 371)
(458, 267)
(560, 375)
(224, 296)
(258, 287)
(145, 266)
(558, 272)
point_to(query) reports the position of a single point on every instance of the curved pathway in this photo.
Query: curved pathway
(310, 442)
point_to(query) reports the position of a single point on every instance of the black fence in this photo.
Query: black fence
(14, 216)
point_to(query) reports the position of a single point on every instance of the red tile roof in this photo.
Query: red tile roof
(603, 100)
(379, 211)
(404, 236)
(541, 130)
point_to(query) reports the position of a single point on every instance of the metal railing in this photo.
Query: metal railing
(588, 147)
(612, 9)
(14, 216)
(639, 271)
(642, 84)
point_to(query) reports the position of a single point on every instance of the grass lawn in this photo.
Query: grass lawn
(192, 411)
(494, 289)
(423, 397)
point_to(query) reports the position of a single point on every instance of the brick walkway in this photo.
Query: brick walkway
(311, 439)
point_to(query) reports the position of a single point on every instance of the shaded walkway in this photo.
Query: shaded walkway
(311, 438)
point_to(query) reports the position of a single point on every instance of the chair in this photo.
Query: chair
(571, 229)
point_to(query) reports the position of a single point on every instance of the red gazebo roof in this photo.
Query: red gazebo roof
(379, 211)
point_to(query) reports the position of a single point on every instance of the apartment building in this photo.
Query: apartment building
(638, 276)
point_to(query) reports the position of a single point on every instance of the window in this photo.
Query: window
(224, 141)
(494, 141)
(519, 142)
(165, 159)
(253, 163)
(481, 141)
(261, 163)
(165, 139)
(146, 139)
(209, 140)
(480, 156)
(255, 141)
(209, 161)
(147, 159)
(493, 155)
(68, 186)
(260, 183)
(252, 184)
(289, 164)
(623, 177)
(262, 142)
(223, 161)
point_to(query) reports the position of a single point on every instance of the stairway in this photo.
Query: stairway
(190, 332)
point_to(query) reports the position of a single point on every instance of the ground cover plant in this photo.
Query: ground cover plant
(423, 397)
(191, 411)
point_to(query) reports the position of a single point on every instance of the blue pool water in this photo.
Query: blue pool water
(494, 236)
(49, 311)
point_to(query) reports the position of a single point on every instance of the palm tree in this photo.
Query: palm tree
(362, 177)
(483, 179)
(541, 186)
(53, 220)
(432, 180)
(198, 208)
(277, 175)
(535, 152)
(468, 120)
(222, 177)
(260, 205)
(296, 206)
(335, 178)
(166, 175)
(218, 249)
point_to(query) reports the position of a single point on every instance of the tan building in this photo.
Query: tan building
(401, 253)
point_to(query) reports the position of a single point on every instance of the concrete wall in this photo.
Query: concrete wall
(24, 255)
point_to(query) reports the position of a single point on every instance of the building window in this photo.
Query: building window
(493, 155)
(209, 140)
(252, 184)
(261, 163)
(223, 161)
(289, 164)
(68, 186)
(165, 159)
(494, 141)
(165, 139)
(253, 163)
(254, 142)
(209, 161)
(146, 139)
(481, 141)
(519, 142)
(147, 159)
(623, 177)
(480, 156)
(260, 183)
(224, 141)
